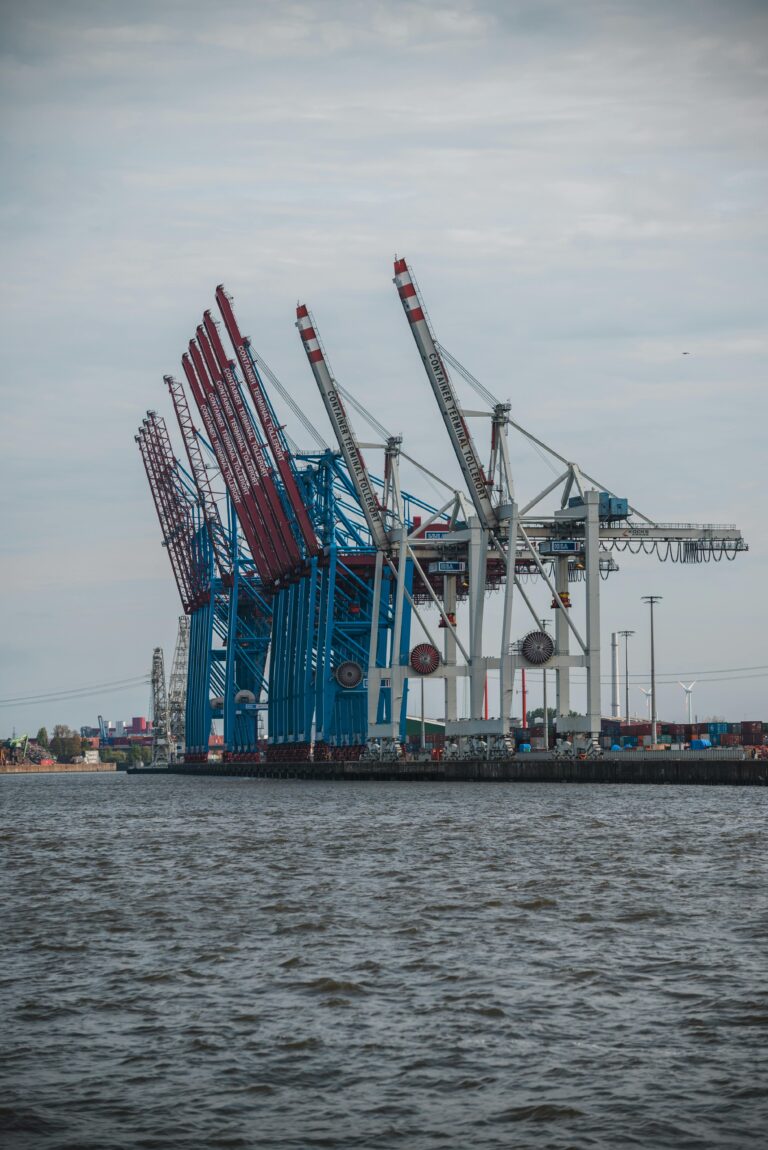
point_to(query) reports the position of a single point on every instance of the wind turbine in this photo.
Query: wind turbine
(688, 693)
(648, 692)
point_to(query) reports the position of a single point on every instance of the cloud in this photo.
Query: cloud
(580, 188)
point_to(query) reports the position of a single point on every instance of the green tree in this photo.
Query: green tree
(135, 754)
(66, 744)
(536, 716)
(42, 738)
(115, 756)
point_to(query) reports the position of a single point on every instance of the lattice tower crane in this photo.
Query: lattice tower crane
(159, 711)
(177, 691)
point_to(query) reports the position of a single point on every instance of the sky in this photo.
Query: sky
(580, 188)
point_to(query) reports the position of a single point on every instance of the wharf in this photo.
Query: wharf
(55, 768)
(645, 770)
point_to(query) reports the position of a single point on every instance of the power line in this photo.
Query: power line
(77, 692)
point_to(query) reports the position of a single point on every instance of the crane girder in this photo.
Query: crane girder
(347, 440)
(253, 454)
(273, 431)
(232, 466)
(199, 471)
(461, 440)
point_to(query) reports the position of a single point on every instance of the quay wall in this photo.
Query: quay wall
(693, 772)
(55, 768)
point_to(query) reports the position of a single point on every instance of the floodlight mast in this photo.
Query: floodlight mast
(651, 600)
(626, 635)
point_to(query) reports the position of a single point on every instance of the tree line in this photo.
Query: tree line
(67, 746)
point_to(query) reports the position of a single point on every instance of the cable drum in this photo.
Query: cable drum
(425, 659)
(537, 648)
(349, 674)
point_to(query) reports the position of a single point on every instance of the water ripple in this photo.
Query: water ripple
(238, 963)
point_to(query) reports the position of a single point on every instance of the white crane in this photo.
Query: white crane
(347, 440)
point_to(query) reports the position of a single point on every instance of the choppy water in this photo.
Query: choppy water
(234, 963)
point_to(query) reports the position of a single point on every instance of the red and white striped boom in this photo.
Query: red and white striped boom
(350, 449)
(469, 461)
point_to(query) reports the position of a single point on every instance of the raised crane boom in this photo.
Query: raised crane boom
(272, 430)
(199, 472)
(469, 461)
(253, 454)
(350, 449)
(232, 469)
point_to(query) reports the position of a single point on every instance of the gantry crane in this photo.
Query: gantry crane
(587, 526)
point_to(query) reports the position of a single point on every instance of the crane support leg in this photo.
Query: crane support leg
(449, 607)
(592, 562)
(562, 647)
(506, 673)
(478, 560)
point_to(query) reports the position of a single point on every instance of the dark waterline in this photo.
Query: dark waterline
(238, 963)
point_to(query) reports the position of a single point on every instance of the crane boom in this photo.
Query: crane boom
(154, 487)
(350, 449)
(174, 513)
(469, 461)
(253, 455)
(232, 468)
(199, 471)
(273, 431)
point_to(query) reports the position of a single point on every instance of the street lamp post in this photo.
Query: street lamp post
(651, 600)
(626, 635)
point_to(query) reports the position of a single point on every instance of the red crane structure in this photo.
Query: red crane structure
(280, 537)
(175, 513)
(199, 471)
(233, 467)
(283, 458)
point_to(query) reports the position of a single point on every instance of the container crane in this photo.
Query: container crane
(492, 521)
(392, 696)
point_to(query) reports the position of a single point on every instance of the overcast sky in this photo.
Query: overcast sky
(580, 187)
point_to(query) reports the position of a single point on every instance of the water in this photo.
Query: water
(206, 963)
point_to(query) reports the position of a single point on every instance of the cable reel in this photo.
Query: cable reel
(425, 659)
(349, 674)
(537, 648)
